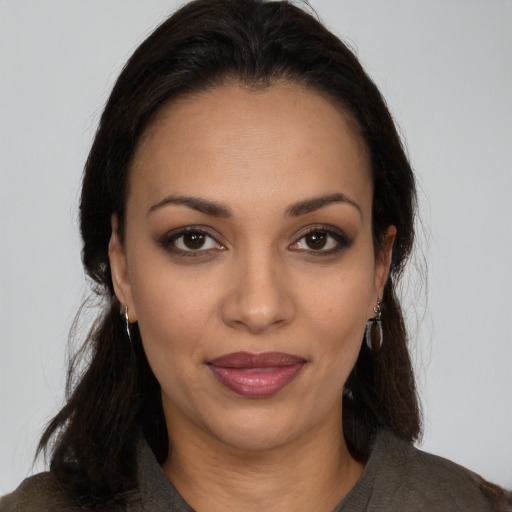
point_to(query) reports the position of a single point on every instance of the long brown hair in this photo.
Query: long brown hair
(206, 43)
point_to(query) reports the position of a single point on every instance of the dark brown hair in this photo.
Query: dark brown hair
(204, 44)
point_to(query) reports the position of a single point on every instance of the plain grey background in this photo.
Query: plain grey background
(445, 68)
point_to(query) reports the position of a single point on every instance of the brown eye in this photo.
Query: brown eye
(321, 241)
(316, 240)
(191, 242)
(194, 240)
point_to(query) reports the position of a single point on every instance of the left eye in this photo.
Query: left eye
(194, 241)
(318, 240)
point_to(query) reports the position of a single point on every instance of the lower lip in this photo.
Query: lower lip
(256, 382)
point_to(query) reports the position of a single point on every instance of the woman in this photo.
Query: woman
(247, 209)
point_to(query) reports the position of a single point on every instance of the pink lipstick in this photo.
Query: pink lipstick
(256, 375)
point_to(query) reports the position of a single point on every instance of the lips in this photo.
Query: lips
(256, 375)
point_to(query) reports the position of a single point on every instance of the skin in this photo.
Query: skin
(258, 284)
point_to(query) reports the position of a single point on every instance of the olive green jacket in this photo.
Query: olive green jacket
(397, 478)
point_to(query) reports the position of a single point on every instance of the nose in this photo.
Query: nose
(259, 298)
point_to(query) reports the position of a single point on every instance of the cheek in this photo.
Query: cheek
(337, 312)
(173, 337)
(341, 298)
(173, 313)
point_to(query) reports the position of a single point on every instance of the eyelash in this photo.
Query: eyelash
(169, 242)
(340, 239)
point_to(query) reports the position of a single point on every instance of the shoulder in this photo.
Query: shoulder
(40, 492)
(403, 477)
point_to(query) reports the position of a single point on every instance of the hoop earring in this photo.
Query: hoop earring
(126, 321)
(373, 334)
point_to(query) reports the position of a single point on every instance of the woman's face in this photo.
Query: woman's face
(248, 262)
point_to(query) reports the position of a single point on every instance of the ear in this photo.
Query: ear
(119, 270)
(383, 261)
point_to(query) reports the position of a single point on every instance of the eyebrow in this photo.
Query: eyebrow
(201, 205)
(315, 203)
(215, 209)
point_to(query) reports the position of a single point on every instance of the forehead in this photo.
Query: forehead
(284, 141)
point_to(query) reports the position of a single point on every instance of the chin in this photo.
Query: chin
(258, 437)
(260, 426)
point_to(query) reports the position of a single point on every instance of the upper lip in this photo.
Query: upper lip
(261, 360)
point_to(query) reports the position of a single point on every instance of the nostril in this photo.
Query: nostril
(258, 306)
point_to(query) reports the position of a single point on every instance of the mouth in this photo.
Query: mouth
(256, 375)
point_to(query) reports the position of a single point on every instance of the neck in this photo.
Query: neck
(314, 472)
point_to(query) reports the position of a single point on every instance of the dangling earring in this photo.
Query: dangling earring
(126, 321)
(373, 333)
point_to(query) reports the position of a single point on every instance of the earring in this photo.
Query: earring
(373, 334)
(126, 321)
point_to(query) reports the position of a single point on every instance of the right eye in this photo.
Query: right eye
(191, 242)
